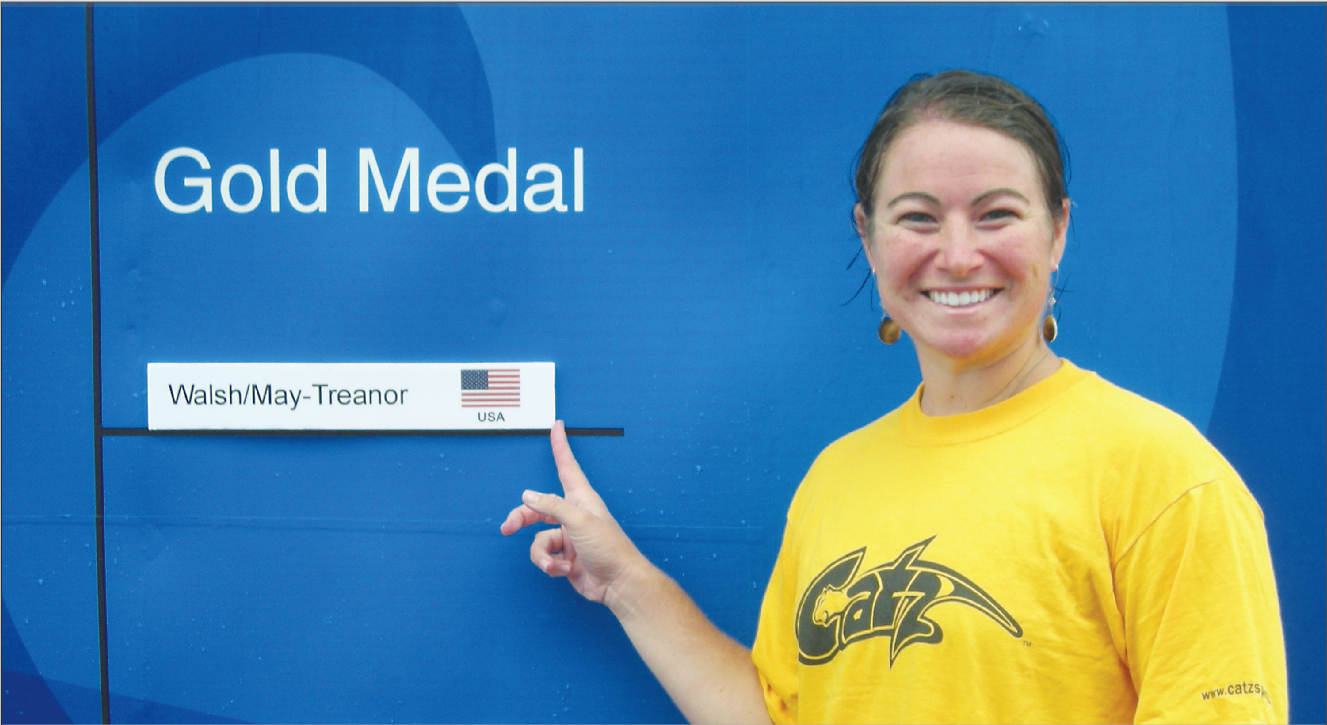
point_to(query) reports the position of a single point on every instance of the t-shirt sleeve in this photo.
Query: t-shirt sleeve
(1202, 620)
(775, 648)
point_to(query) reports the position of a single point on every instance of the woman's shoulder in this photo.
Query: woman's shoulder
(1153, 454)
(865, 440)
(1099, 406)
(853, 455)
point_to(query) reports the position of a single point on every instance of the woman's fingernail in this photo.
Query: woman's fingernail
(529, 497)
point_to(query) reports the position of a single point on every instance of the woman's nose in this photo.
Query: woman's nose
(959, 253)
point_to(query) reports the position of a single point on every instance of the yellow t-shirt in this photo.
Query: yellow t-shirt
(1073, 554)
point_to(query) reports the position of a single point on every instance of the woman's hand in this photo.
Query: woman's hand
(709, 675)
(588, 547)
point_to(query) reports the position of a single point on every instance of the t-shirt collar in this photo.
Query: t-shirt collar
(921, 429)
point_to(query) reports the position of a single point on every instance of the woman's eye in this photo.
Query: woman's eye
(997, 214)
(916, 217)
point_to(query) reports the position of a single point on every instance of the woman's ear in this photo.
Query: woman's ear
(1061, 232)
(863, 224)
(862, 221)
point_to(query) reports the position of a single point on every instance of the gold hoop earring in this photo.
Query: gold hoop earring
(888, 331)
(1049, 328)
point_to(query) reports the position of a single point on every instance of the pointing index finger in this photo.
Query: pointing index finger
(569, 471)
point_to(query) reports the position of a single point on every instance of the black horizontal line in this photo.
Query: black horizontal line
(599, 432)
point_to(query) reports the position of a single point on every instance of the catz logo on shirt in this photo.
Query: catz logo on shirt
(841, 607)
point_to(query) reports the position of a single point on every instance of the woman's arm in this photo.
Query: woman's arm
(709, 675)
(1201, 615)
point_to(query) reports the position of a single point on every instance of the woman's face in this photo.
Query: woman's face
(962, 242)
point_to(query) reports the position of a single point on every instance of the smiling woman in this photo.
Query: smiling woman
(1112, 565)
(962, 209)
(963, 246)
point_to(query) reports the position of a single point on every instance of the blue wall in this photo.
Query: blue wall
(697, 302)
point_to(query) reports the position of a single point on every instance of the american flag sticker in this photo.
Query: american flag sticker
(493, 388)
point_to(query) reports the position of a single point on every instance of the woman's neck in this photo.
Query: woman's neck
(952, 387)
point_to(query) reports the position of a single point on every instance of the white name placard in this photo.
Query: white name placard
(350, 396)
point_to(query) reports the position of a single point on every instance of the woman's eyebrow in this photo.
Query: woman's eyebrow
(995, 192)
(912, 195)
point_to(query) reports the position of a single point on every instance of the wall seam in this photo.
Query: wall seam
(95, 248)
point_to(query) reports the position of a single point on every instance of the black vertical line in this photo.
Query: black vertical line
(96, 368)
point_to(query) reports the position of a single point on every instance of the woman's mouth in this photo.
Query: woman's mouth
(961, 299)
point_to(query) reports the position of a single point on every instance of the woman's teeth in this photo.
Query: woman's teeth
(960, 299)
